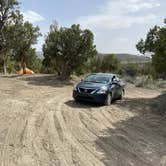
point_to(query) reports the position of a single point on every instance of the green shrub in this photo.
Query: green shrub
(129, 79)
(11, 66)
(144, 81)
(135, 69)
(147, 81)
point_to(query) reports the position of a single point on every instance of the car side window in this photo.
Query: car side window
(113, 78)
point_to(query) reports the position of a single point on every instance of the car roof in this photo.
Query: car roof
(104, 74)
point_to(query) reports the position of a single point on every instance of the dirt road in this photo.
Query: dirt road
(40, 125)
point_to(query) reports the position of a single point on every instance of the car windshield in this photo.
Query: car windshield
(99, 78)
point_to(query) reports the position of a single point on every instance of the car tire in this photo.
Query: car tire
(108, 99)
(75, 99)
(122, 95)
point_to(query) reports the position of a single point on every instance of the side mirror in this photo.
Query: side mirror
(115, 80)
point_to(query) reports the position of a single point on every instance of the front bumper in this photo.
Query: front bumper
(97, 98)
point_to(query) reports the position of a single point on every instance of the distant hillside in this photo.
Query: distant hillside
(129, 58)
(124, 58)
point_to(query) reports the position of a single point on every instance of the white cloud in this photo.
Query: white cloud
(117, 45)
(32, 16)
(117, 14)
(114, 22)
(128, 6)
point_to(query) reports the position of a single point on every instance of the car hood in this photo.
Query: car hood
(90, 85)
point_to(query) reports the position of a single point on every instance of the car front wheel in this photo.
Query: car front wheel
(108, 99)
(122, 94)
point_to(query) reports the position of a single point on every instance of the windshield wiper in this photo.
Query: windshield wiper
(95, 81)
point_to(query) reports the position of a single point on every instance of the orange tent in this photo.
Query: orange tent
(27, 71)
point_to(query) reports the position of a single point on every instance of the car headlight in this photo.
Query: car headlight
(103, 90)
(75, 87)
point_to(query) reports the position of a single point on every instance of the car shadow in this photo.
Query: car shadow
(139, 140)
(154, 105)
(87, 104)
(82, 104)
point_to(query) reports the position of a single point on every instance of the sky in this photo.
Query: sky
(117, 24)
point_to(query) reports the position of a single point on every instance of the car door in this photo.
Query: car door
(118, 88)
(114, 87)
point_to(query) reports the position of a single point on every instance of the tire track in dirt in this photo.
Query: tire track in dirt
(86, 156)
(11, 143)
(85, 126)
(47, 128)
(39, 136)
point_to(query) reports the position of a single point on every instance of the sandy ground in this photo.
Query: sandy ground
(41, 125)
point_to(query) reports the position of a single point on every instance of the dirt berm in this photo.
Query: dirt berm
(41, 125)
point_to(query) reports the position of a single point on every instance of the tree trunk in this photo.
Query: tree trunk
(4, 67)
(24, 67)
(66, 72)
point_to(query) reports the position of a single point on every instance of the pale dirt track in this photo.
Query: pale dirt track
(40, 125)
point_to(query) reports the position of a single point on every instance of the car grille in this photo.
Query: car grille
(86, 98)
(86, 90)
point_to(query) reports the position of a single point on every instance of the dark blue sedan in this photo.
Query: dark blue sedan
(100, 88)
